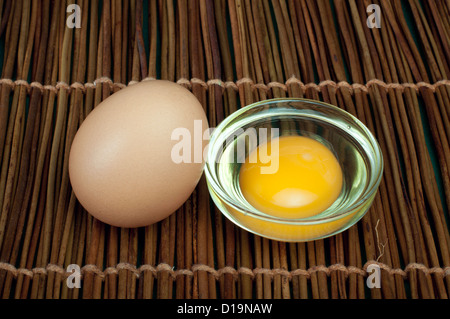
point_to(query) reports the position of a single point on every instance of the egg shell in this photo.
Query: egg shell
(120, 165)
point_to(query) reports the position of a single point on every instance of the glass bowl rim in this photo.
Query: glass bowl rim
(373, 182)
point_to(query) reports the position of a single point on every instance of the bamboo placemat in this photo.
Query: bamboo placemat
(229, 54)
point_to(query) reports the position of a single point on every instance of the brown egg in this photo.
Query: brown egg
(137, 157)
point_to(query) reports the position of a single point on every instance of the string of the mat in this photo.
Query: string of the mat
(234, 85)
(217, 273)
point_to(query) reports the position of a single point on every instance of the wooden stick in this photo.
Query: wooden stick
(23, 188)
(37, 205)
(55, 157)
(5, 127)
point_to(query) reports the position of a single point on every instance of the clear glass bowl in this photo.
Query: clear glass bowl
(354, 146)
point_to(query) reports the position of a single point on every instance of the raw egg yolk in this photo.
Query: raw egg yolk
(308, 179)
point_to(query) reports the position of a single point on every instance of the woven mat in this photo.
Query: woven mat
(59, 62)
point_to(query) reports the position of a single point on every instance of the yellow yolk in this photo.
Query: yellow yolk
(308, 179)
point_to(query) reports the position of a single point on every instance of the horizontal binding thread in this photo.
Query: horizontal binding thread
(218, 273)
(230, 84)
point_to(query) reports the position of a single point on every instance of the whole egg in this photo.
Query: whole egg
(137, 157)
